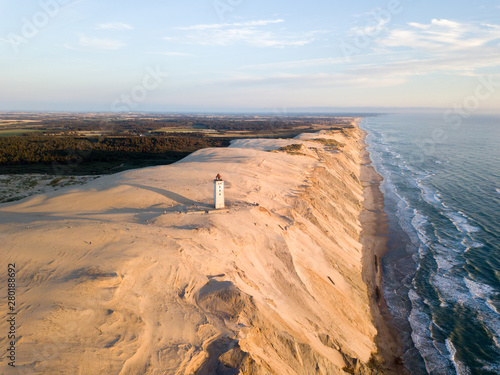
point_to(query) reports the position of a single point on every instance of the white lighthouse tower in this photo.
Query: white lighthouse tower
(218, 192)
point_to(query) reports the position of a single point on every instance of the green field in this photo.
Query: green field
(6, 133)
(184, 130)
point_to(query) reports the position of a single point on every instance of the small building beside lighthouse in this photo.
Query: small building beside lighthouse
(218, 192)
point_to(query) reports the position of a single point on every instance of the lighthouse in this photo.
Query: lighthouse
(218, 192)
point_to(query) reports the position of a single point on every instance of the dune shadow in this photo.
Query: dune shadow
(209, 155)
(214, 286)
(34, 217)
(170, 195)
(89, 273)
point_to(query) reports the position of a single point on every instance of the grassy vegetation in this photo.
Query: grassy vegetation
(56, 181)
(349, 369)
(293, 149)
(29, 183)
(328, 142)
(347, 131)
(13, 132)
(374, 363)
(15, 187)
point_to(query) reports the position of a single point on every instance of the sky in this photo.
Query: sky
(248, 55)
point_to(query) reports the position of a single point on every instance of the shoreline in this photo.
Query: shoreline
(374, 238)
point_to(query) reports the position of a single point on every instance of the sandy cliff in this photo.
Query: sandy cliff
(130, 275)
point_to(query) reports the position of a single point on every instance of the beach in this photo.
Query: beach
(374, 238)
(137, 273)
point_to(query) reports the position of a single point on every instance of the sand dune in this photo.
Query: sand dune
(129, 274)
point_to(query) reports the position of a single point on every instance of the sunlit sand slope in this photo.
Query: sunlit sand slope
(130, 274)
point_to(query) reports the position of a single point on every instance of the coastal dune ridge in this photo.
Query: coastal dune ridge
(136, 273)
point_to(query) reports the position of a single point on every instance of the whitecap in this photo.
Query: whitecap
(492, 368)
(469, 243)
(444, 262)
(419, 220)
(429, 195)
(459, 366)
(493, 307)
(461, 222)
(449, 288)
(478, 289)
(419, 223)
(421, 336)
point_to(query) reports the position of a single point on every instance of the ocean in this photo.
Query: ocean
(442, 268)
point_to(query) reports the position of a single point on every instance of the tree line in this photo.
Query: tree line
(29, 150)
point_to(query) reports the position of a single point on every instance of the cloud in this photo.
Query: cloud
(461, 64)
(253, 33)
(442, 45)
(369, 29)
(100, 44)
(442, 35)
(114, 26)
